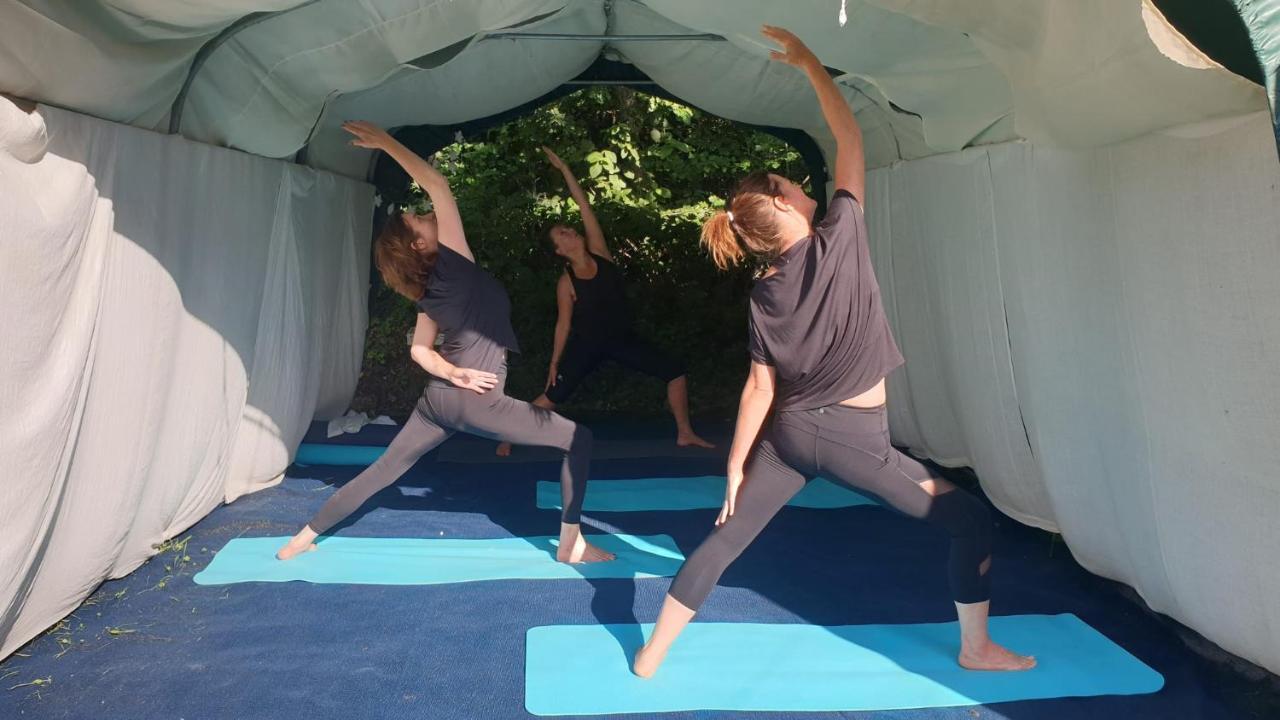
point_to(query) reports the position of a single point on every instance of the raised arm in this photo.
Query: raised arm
(595, 234)
(850, 161)
(423, 352)
(448, 221)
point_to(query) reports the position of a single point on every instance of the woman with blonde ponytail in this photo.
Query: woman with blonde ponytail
(426, 258)
(820, 349)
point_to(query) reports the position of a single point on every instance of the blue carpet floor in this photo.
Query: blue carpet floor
(157, 645)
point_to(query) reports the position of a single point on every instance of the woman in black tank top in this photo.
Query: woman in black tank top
(813, 403)
(594, 324)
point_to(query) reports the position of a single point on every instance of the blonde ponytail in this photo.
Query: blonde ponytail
(747, 224)
(721, 242)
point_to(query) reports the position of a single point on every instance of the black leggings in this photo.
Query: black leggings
(850, 445)
(584, 353)
(440, 413)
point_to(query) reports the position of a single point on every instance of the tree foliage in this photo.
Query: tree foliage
(654, 169)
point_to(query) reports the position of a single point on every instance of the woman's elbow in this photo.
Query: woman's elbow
(420, 354)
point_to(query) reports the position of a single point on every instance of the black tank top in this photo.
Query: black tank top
(601, 306)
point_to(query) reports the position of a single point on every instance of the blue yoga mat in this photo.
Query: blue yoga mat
(320, 454)
(687, 493)
(584, 669)
(427, 561)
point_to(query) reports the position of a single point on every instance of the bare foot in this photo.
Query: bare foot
(646, 662)
(691, 439)
(504, 450)
(994, 657)
(582, 551)
(294, 547)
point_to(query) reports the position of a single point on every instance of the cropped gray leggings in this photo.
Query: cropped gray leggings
(849, 445)
(440, 413)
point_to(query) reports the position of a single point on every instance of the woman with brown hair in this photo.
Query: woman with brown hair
(820, 349)
(593, 322)
(426, 258)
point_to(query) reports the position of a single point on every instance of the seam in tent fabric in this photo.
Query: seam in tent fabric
(267, 75)
(1171, 606)
(1004, 306)
(893, 285)
(1048, 524)
(248, 21)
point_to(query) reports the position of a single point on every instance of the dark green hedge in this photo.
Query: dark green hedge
(655, 170)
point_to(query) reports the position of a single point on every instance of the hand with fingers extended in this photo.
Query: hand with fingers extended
(556, 162)
(794, 51)
(477, 380)
(735, 479)
(552, 372)
(367, 135)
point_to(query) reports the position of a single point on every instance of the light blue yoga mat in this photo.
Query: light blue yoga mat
(320, 454)
(584, 670)
(687, 493)
(428, 561)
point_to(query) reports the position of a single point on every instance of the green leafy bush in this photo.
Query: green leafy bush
(655, 170)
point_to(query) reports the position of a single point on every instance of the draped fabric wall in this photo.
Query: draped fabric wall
(175, 315)
(1095, 332)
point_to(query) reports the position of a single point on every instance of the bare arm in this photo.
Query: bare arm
(850, 160)
(448, 221)
(423, 352)
(564, 317)
(753, 408)
(595, 234)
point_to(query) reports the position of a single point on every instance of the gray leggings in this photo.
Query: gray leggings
(440, 413)
(850, 445)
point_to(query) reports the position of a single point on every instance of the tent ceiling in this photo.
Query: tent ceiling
(925, 76)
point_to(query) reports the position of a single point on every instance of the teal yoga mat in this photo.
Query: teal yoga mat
(320, 454)
(584, 669)
(429, 561)
(687, 493)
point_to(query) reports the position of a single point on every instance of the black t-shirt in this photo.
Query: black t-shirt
(473, 312)
(818, 319)
(600, 311)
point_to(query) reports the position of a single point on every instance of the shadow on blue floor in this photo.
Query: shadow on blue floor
(155, 645)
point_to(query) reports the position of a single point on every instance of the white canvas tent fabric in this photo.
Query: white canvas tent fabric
(1121, 303)
(1073, 212)
(175, 315)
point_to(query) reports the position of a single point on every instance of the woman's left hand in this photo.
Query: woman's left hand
(367, 135)
(556, 162)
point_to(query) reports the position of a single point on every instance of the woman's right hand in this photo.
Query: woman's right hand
(367, 135)
(551, 376)
(794, 51)
(733, 484)
(477, 380)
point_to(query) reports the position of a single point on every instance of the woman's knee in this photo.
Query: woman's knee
(582, 439)
(962, 514)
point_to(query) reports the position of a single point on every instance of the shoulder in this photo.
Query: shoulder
(451, 258)
(843, 209)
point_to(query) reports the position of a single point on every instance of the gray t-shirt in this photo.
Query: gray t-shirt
(818, 319)
(473, 313)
